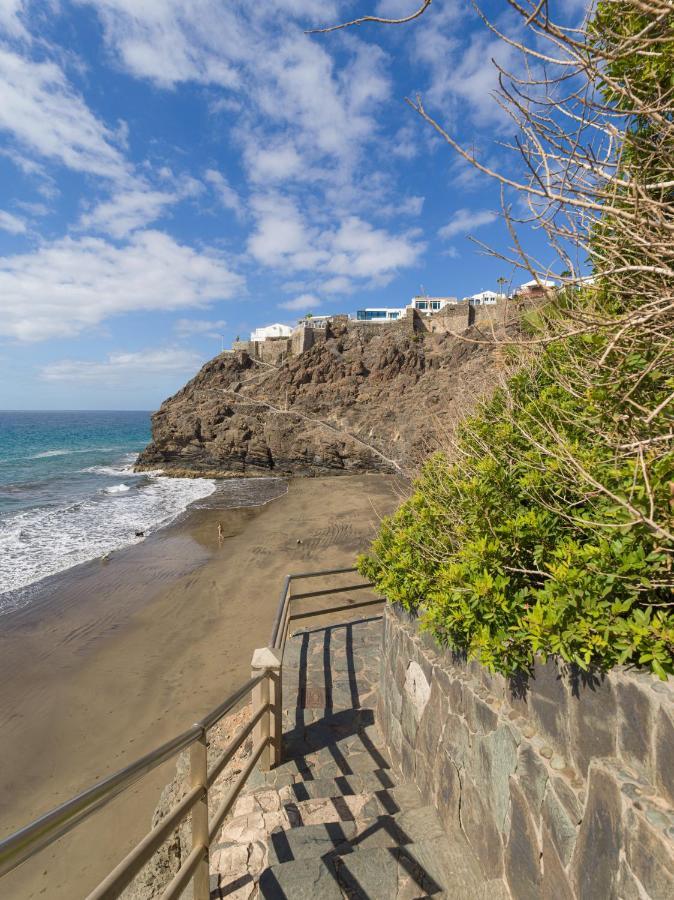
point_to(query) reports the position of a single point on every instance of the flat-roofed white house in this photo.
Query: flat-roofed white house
(429, 305)
(536, 288)
(485, 298)
(379, 314)
(424, 305)
(268, 332)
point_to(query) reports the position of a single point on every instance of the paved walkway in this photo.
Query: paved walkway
(334, 820)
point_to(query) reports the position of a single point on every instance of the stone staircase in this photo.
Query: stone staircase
(334, 820)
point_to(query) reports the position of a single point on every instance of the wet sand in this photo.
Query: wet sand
(116, 656)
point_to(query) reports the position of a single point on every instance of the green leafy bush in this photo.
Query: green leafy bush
(511, 550)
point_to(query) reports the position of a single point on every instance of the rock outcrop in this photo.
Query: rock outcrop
(365, 399)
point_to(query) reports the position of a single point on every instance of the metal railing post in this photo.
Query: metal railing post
(268, 693)
(199, 778)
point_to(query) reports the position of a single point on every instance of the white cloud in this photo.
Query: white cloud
(125, 366)
(408, 206)
(272, 164)
(304, 301)
(284, 80)
(353, 249)
(465, 220)
(69, 285)
(10, 22)
(201, 327)
(12, 224)
(43, 113)
(225, 193)
(136, 205)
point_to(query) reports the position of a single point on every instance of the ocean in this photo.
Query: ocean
(68, 493)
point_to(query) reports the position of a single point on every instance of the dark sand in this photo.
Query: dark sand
(116, 656)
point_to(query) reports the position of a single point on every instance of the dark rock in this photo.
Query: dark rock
(650, 856)
(548, 700)
(596, 857)
(522, 854)
(555, 884)
(532, 775)
(478, 825)
(561, 827)
(594, 723)
(634, 724)
(664, 754)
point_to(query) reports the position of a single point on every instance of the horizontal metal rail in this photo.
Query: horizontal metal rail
(329, 591)
(124, 873)
(180, 880)
(277, 630)
(231, 796)
(333, 609)
(59, 821)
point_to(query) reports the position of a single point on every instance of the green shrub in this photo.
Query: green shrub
(510, 550)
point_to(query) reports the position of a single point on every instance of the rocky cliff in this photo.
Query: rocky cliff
(365, 399)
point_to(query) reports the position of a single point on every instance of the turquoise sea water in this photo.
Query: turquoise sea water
(68, 492)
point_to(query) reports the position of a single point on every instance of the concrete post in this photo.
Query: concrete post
(268, 692)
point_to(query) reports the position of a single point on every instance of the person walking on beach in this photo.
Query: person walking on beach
(220, 534)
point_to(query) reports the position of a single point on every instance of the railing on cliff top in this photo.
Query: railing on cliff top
(265, 724)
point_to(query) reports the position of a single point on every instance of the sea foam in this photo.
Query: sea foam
(39, 542)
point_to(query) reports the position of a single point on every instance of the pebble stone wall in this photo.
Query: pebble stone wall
(563, 783)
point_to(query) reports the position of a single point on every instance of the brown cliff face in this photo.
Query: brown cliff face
(374, 399)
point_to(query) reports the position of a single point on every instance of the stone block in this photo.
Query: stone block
(408, 720)
(561, 828)
(650, 855)
(664, 754)
(432, 724)
(494, 759)
(456, 697)
(549, 703)
(446, 783)
(483, 719)
(635, 725)
(555, 884)
(407, 761)
(477, 822)
(523, 853)
(456, 740)
(532, 776)
(594, 723)
(568, 798)
(596, 858)
(417, 687)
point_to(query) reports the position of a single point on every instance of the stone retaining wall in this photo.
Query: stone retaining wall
(563, 783)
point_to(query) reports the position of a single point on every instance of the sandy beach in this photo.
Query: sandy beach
(117, 655)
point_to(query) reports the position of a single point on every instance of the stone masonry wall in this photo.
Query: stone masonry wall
(562, 783)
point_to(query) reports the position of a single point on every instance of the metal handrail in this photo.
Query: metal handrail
(39, 834)
(276, 628)
(265, 723)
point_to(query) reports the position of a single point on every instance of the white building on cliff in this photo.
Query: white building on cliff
(271, 331)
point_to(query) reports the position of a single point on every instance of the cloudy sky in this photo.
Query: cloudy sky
(177, 173)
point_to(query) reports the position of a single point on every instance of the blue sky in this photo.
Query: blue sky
(175, 174)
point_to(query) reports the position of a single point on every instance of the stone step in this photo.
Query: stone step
(336, 807)
(407, 872)
(345, 836)
(343, 785)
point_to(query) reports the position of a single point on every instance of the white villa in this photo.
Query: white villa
(269, 332)
(424, 305)
(485, 298)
